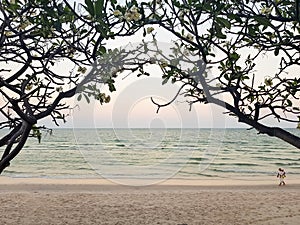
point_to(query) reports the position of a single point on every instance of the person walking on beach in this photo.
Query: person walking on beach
(281, 176)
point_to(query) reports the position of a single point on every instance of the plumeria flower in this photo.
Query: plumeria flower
(189, 37)
(107, 99)
(128, 16)
(81, 69)
(134, 9)
(181, 14)
(163, 63)
(266, 10)
(186, 52)
(268, 82)
(152, 60)
(29, 87)
(25, 24)
(117, 13)
(8, 33)
(149, 30)
(132, 14)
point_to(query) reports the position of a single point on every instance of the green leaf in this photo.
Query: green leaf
(165, 80)
(206, 6)
(250, 98)
(79, 97)
(262, 20)
(90, 7)
(83, 31)
(86, 98)
(251, 31)
(223, 22)
(245, 77)
(222, 65)
(289, 102)
(57, 25)
(235, 17)
(219, 33)
(111, 87)
(234, 56)
(102, 50)
(98, 8)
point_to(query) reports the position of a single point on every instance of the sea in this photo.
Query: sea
(117, 154)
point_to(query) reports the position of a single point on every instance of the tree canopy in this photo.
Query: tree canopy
(231, 37)
(46, 48)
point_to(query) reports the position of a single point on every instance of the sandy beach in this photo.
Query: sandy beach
(96, 201)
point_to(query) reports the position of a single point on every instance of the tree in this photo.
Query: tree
(46, 48)
(230, 37)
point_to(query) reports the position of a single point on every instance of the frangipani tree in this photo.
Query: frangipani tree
(46, 48)
(232, 37)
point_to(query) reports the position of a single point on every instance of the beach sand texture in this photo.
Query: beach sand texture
(93, 203)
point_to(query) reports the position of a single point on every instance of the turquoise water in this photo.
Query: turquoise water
(155, 153)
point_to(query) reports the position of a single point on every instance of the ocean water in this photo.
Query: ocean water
(155, 153)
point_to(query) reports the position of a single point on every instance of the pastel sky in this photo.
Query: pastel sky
(131, 106)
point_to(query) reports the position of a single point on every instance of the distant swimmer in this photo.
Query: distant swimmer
(281, 175)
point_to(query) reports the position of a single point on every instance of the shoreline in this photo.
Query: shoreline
(85, 184)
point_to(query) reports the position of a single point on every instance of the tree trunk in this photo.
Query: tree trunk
(9, 154)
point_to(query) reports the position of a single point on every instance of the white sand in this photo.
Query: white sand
(81, 201)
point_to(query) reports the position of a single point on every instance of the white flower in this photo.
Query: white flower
(117, 13)
(149, 30)
(24, 24)
(107, 99)
(186, 52)
(128, 16)
(152, 60)
(181, 15)
(268, 82)
(151, 17)
(134, 9)
(189, 37)
(266, 10)
(8, 33)
(28, 87)
(81, 69)
(136, 16)
(132, 14)
(163, 63)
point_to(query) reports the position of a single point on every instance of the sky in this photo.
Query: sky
(131, 104)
